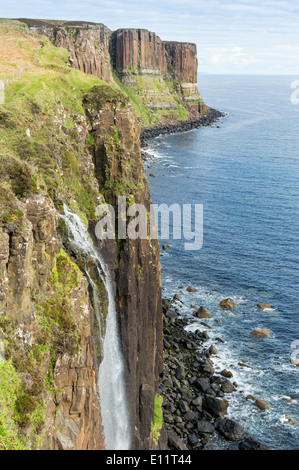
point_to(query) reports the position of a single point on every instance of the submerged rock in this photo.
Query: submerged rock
(250, 397)
(261, 404)
(220, 340)
(191, 289)
(263, 306)
(261, 332)
(227, 303)
(202, 312)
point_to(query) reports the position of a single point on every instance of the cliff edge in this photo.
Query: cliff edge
(69, 140)
(160, 77)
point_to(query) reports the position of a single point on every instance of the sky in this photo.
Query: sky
(232, 36)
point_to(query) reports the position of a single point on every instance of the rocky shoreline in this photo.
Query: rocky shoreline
(211, 116)
(195, 398)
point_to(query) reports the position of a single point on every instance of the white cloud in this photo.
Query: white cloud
(235, 56)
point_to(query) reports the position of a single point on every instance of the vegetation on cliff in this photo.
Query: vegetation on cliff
(66, 138)
(159, 77)
(45, 152)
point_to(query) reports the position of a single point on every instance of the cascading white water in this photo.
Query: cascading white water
(114, 407)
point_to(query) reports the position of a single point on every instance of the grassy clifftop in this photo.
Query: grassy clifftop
(67, 137)
(43, 136)
(159, 94)
(46, 160)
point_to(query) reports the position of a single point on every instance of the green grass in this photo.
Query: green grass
(55, 58)
(22, 404)
(146, 116)
(10, 383)
(158, 419)
(150, 89)
(39, 129)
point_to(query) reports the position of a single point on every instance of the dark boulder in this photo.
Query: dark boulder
(203, 385)
(227, 303)
(227, 386)
(193, 440)
(226, 373)
(183, 405)
(231, 430)
(214, 406)
(175, 442)
(207, 368)
(252, 444)
(205, 427)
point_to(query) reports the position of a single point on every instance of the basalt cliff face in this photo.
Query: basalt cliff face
(140, 49)
(76, 99)
(69, 139)
(160, 76)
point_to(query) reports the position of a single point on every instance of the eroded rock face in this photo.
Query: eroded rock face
(28, 250)
(139, 48)
(77, 412)
(89, 49)
(134, 264)
(141, 51)
(93, 48)
(182, 57)
(25, 264)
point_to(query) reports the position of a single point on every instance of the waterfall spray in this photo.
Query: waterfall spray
(114, 407)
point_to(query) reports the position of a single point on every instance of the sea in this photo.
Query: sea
(244, 171)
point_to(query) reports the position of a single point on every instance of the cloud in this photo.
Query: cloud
(235, 56)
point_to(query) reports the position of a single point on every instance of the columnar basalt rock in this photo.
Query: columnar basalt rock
(84, 151)
(87, 43)
(139, 48)
(28, 249)
(182, 57)
(161, 74)
(134, 264)
(88, 47)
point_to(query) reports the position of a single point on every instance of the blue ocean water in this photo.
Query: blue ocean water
(246, 175)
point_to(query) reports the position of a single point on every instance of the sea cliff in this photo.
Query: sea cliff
(76, 98)
(160, 77)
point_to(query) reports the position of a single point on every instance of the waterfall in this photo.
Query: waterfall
(114, 408)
